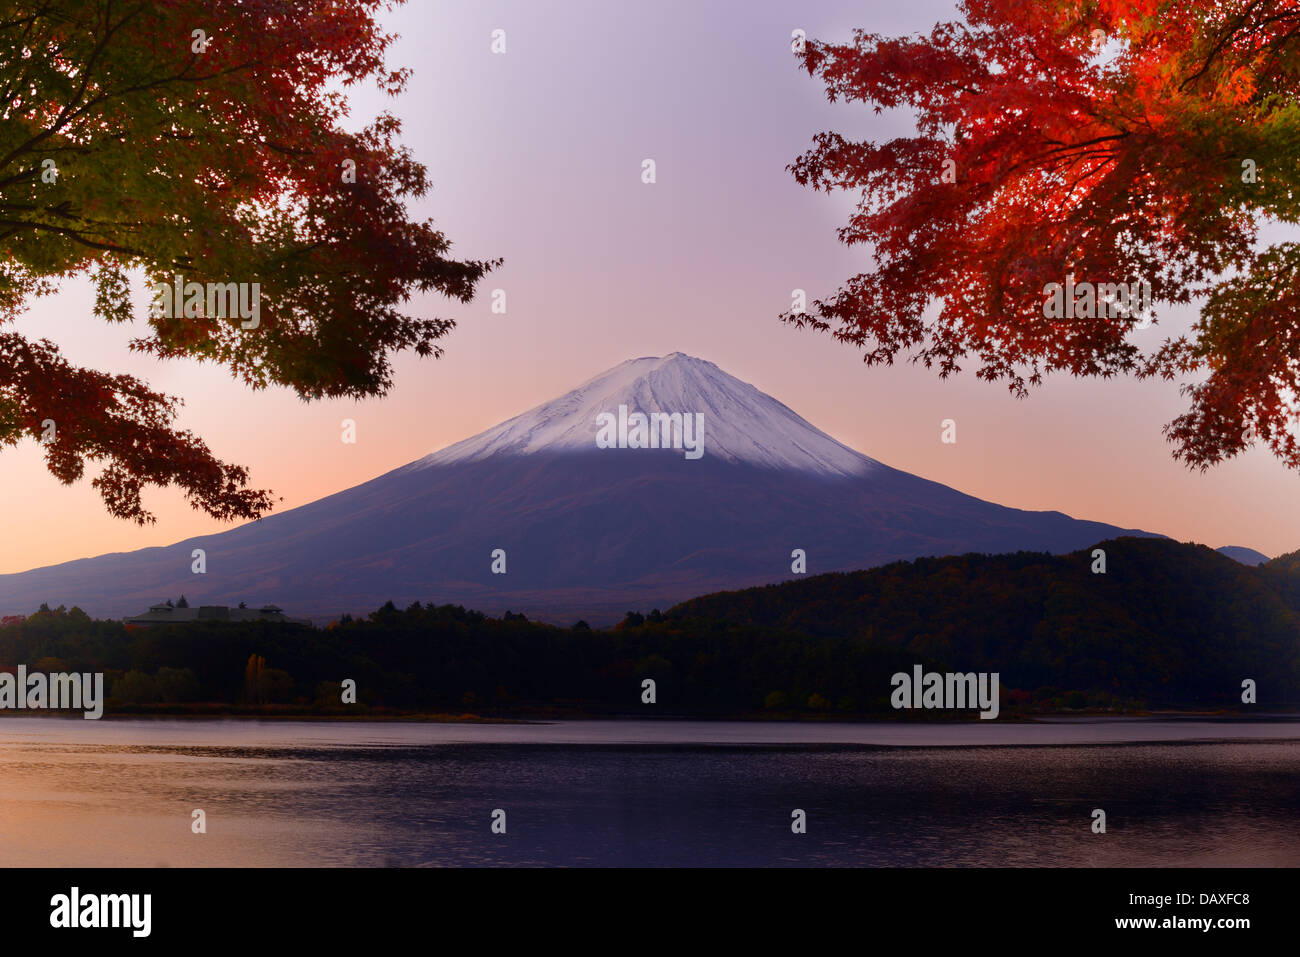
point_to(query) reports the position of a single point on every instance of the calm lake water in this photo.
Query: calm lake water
(297, 793)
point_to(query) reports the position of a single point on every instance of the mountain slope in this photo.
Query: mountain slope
(588, 532)
(1247, 556)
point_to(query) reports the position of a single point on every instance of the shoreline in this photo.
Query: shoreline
(227, 714)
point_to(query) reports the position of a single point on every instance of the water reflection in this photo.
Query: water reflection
(648, 793)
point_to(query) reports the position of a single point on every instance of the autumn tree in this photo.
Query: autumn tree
(1085, 141)
(255, 681)
(179, 141)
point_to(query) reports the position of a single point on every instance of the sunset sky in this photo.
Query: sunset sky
(535, 156)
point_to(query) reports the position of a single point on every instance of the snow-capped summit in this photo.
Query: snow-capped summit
(740, 423)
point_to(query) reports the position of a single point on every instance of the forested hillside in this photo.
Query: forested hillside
(1167, 622)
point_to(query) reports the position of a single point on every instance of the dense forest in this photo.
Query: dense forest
(1166, 625)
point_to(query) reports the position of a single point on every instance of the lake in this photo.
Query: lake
(1184, 792)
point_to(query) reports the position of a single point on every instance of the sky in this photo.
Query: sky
(535, 156)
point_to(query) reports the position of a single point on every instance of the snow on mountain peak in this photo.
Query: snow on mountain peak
(740, 423)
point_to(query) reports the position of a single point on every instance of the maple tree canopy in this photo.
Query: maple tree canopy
(1111, 141)
(130, 142)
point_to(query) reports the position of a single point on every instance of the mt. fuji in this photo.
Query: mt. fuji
(582, 531)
